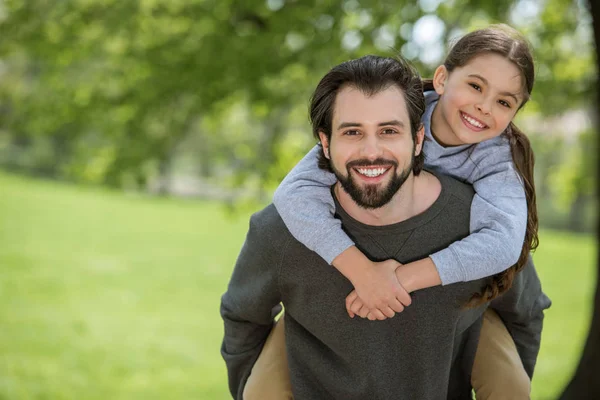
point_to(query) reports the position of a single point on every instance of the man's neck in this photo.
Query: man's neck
(415, 196)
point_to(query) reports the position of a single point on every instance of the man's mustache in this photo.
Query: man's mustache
(369, 163)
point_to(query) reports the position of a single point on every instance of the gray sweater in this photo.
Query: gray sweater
(425, 352)
(498, 212)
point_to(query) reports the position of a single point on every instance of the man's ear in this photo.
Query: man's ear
(440, 76)
(324, 143)
(420, 136)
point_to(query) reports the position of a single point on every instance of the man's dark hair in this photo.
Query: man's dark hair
(371, 75)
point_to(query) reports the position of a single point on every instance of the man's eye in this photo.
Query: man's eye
(475, 86)
(389, 131)
(351, 133)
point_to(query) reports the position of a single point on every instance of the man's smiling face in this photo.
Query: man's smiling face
(371, 149)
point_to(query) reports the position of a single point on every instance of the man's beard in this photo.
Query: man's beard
(374, 195)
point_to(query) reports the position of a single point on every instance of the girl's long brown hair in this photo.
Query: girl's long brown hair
(504, 40)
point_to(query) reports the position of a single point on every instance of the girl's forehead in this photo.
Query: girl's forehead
(496, 70)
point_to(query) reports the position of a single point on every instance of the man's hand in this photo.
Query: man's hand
(377, 292)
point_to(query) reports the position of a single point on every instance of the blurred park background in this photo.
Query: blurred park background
(136, 137)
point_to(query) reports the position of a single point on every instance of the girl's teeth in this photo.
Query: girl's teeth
(472, 121)
(371, 172)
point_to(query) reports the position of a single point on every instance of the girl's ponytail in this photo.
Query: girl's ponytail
(523, 159)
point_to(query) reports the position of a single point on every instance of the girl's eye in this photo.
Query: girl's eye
(504, 103)
(475, 86)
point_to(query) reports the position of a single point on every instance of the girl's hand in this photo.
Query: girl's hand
(381, 286)
(355, 306)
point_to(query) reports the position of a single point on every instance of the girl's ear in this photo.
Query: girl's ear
(325, 144)
(440, 76)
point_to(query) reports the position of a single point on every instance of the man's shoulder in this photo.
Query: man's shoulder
(269, 235)
(453, 187)
(268, 218)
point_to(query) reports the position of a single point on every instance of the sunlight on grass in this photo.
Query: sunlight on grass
(566, 264)
(111, 296)
(114, 296)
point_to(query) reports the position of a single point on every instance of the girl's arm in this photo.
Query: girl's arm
(304, 201)
(498, 223)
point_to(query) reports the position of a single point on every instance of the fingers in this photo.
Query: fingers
(350, 299)
(388, 312)
(374, 314)
(396, 305)
(357, 306)
(404, 297)
(363, 311)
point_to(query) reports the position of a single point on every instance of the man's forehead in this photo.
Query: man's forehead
(355, 104)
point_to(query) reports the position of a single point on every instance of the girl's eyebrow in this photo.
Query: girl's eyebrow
(485, 81)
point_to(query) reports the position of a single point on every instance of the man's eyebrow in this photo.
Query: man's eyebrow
(485, 81)
(394, 122)
(349, 125)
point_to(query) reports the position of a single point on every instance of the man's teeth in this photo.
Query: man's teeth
(371, 172)
(473, 122)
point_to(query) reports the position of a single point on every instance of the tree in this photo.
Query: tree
(107, 91)
(585, 383)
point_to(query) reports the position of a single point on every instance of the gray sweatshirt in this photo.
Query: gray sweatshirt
(498, 212)
(425, 352)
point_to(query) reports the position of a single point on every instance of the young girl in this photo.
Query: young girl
(471, 103)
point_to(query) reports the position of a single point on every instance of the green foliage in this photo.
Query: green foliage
(566, 180)
(562, 41)
(114, 296)
(576, 176)
(108, 92)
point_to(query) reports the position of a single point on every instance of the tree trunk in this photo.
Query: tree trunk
(585, 384)
(577, 213)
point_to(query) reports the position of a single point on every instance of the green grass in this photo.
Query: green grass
(567, 266)
(112, 296)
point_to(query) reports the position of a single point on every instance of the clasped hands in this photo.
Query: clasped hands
(378, 292)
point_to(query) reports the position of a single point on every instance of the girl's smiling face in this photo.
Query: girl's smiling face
(477, 100)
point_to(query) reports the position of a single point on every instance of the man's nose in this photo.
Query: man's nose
(371, 148)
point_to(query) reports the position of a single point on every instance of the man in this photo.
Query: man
(366, 113)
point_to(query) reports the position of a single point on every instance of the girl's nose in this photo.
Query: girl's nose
(484, 106)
